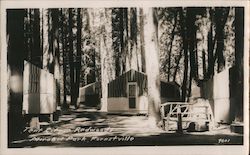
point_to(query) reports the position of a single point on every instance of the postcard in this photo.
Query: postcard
(124, 77)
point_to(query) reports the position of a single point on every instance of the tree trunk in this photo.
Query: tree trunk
(61, 54)
(220, 19)
(51, 51)
(177, 66)
(56, 54)
(64, 50)
(211, 43)
(27, 35)
(107, 62)
(129, 52)
(204, 67)
(71, 61)
(125, 49)
(133, 39)
(139, 28)
(185, 50)
(152, 65)
(239, 63)
(45, 39)
(37, 41)
(103, 75)
(171, 45)
(191, 33)
(15, 62)
(142, 41)
(79, 48)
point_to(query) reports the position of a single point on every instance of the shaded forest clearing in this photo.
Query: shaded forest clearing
(88, 127)
(154, 76)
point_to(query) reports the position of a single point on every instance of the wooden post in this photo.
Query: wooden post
(179, 121)
(162, 116)
(166, 127)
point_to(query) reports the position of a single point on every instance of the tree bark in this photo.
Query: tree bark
(15, 62)
(64, 50)
(79, 49)
(204, 67)
(139, 28)
(45, 39)
(239, 63)
(56, 52)
(118, 26)
(152, 65)
(103, 76)
(142, 41)
(171, 45)
(125, 49)
(220, 20)
(133, 39)
(177, 66)
(60, 53)
(129, 52)
(211, 44)
(71, 61)
(185, 50)
(107, 73)
(191, 33)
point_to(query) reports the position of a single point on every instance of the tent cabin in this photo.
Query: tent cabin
(170, 92)
(89, 94)
(39, 90)
(128, 93)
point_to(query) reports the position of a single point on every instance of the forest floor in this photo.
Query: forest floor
(90, 128)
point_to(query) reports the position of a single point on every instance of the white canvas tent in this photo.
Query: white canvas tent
(38, 90)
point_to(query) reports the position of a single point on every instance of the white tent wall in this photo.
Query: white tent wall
(121, 105)
(39, 91)
(222, 97)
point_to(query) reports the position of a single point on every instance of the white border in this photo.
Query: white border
(118, 3)
(233, 150)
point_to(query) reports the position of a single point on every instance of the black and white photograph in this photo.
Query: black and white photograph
(114, 76)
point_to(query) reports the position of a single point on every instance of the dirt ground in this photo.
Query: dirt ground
(88, 127)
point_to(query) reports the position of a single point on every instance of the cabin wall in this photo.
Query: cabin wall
(121, 105)
(117, 104)
(118, 100)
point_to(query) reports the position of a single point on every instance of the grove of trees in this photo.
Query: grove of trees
(84, 45)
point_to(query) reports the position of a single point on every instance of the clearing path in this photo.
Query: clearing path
(89, 127)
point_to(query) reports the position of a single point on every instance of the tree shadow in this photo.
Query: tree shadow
(93, 129)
